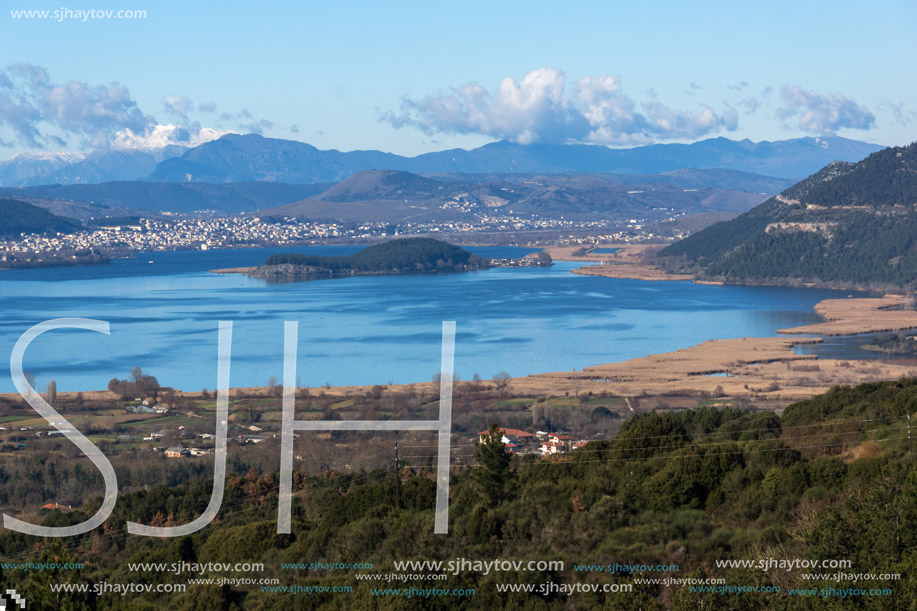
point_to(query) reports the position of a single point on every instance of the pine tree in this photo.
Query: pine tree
(494, 473)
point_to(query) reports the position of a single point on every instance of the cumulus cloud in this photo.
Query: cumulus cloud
(42, 113)
(31, 104)
(823, 113)
(539, 108)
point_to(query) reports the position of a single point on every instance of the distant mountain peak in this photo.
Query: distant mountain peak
(163, 137)
(71, 157)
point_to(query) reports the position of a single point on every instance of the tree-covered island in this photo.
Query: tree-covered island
(399, 256)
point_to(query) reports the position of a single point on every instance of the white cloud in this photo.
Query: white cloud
(178, 104)
(42, 113)
(31, 103)
(538, 108)
(823, 113)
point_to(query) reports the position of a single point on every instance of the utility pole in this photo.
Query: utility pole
(397, 476)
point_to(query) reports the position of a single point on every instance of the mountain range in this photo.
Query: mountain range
(393, 196)
(254, 158)
(164, 197)
(849, 224)
(77, 168)
(235, 158)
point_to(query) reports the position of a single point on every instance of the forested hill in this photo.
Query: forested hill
(399, 255)
(832, 478)
(848, 224)
(18, 217)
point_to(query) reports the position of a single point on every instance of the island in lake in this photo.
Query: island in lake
(398, 256)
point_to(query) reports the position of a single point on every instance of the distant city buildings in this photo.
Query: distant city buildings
(186, 233)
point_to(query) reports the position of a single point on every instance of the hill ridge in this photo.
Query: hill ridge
(847, 224)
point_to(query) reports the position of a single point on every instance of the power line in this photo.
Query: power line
(717, 432)
(231, 508)
(573, 463)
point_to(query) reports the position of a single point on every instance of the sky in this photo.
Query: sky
(414, 77)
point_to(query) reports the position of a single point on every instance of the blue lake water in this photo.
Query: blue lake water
(366, 330)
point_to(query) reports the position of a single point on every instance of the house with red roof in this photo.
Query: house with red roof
(514, 440)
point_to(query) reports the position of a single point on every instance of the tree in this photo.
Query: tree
(37, 590)
(139, 385)
(494, 460)
(544, 259)
(51, 395)
(252, 414)
(501, 381)
(274, 387)
(117, 387)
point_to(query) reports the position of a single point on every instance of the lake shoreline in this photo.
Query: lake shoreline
(839, 317)
(631, 262)
(764, 368)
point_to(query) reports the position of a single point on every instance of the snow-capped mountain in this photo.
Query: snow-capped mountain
(107, 166)
(17, 170)
(130, 157)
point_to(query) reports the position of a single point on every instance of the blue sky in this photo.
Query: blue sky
(412, 77)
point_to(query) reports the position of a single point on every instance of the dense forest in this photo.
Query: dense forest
(867, 250)
(849, 224)
(885, 178)
(832, 478)
(20, 217)
(399, 255)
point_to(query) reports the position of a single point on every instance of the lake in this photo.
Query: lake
(164, 309)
